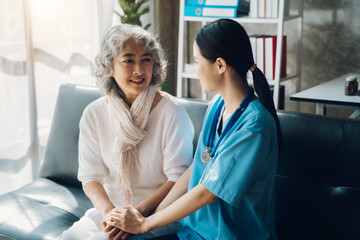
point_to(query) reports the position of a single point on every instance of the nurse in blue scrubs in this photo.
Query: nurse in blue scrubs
(228, 192)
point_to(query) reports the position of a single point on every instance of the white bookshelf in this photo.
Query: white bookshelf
(279, 22)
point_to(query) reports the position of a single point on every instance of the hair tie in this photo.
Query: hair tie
(253, 67)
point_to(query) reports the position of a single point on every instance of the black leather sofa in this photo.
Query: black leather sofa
(317, 183)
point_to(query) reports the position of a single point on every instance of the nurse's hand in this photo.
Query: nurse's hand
(128, 219)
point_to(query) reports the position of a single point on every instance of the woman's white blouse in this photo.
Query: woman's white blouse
(163, 154)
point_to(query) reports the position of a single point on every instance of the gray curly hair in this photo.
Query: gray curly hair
(110, 47)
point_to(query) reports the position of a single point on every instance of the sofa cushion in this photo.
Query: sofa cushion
(42, 209)
(311, 146)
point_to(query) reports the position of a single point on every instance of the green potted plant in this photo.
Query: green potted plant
(133, 10)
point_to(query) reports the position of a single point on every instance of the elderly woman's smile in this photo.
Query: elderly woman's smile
(138, 80)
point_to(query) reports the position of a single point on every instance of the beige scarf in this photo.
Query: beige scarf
(128, 126)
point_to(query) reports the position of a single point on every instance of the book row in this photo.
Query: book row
(264, 53)
(264, 8)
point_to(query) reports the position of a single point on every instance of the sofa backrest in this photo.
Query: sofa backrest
(61, 157)
(60, 163)
(196, 110)
(318, 178)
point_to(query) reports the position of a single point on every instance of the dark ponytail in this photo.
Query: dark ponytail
(262, 89)
(227, 39)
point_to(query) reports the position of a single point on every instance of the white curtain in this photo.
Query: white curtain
(65, 38)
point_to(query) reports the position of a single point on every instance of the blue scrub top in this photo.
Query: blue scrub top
(241, 175)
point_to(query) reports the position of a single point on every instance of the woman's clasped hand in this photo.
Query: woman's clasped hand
(127, 218)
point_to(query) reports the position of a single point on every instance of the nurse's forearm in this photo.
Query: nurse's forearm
(193, 200)
(179, 189)
(98, 196)
(147, 206)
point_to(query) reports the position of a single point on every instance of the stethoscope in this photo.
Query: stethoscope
(206, 155)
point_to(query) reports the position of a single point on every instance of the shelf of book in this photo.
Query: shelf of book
(279, 21)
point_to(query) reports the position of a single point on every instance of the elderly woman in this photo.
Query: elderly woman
(132, 144)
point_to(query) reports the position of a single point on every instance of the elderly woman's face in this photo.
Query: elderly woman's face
(132, 69)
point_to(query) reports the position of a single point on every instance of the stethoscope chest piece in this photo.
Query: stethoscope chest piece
(205, 155)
